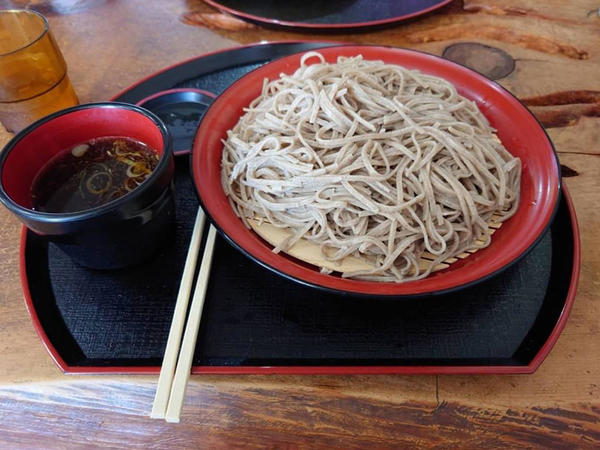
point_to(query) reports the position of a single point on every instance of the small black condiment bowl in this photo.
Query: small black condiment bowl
(120, 233)
(181, 110)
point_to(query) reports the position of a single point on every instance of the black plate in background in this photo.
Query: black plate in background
(252, 317)
(328, 15)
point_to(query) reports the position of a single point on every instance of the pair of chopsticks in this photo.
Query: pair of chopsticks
(177, 364)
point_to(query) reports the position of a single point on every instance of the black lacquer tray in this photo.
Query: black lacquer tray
(255, 321)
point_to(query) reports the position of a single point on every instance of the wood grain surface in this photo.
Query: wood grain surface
(546, 53)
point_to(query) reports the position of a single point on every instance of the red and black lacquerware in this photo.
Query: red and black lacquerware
(332, 15)
(255, 321)
(119, 233)
(181, 110)
(516, 127)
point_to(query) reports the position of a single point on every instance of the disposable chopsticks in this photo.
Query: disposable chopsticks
(167, 370)
(184, 364)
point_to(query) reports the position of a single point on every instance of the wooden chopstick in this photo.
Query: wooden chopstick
(184, 364)
(167, 370)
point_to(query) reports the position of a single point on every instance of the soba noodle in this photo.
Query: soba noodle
(372, 160)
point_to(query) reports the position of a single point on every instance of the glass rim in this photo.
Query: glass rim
(33, 41)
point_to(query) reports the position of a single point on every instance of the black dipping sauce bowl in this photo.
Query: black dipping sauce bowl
(120, 233)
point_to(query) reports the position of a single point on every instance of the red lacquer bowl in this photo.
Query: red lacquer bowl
(518, 129)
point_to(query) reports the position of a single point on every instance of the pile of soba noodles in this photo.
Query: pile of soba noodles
(372, 160)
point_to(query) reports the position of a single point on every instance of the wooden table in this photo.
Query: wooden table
(111, 44)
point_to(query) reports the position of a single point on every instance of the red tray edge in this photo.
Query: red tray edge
(315, 370)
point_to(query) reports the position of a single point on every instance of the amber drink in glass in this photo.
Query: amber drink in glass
(33, 72)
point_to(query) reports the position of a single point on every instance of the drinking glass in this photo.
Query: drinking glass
(33, 72)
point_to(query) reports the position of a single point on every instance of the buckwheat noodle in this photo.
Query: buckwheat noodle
(372, 160)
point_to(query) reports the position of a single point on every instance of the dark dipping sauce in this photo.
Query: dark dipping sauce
(92, 174)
